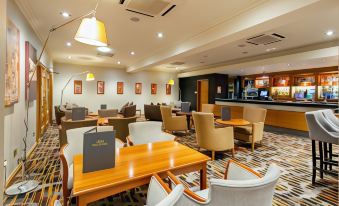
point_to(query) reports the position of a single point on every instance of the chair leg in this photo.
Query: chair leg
(252, 146)
(325, 154)
(233, 152)
(199, 149)
(213, 155)
(314, 163)
(321, 160)
(330, 155)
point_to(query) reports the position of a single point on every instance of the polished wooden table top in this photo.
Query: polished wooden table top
(184, 113)
(133, 163)
(233, 122)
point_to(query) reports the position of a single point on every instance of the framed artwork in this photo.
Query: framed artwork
(77, 87)
(30, 64)
(12, 71)
(168, 89)
(100, 87)
(120, 87)
(138, 88)
(153, 88)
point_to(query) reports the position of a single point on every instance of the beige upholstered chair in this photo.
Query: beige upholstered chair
(172, 123)
(66, 125)
(120, 125)
(211, 138)
(108, 112)
(255, 131)
(207, 108)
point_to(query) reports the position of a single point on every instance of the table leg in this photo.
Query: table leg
(188, 119)
(203, 177)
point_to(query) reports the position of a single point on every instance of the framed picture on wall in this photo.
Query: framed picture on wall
(30, 61)
(12, 71)
(138, 88)
(77, 87)
(100, 87)
(168, 89)
(153, 88)
(120, 87)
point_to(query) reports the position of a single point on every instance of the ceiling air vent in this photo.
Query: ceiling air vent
(150, 8)
(265, 39)
(178, 63)
(103, 54)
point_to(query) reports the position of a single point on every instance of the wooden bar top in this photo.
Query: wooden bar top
(134, 163)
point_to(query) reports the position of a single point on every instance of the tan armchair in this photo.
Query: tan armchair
(211, 138)
(120, 125)
(173, 123)
(208, 108)
(255, 131)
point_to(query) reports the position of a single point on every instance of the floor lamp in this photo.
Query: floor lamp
(89, 77)
(171, 82)
(92, 32)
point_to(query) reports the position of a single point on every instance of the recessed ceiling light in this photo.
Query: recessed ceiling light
(132, 53)
(135, 19)
(245, 52)
(160, 35)
(119, 62)
(329, 33)
(69, 57)
(69, 44)
(65, 14)
(241, 45)
(104, 49)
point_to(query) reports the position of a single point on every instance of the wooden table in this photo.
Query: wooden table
(188, 118)
(134, 167)
(233, 122)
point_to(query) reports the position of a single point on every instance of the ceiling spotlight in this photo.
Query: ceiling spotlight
(69, 44)
(69, 57)
(160, 35)
(65, 14)
(132, 53)
(119, 62)
(329, 33)
(104, 49)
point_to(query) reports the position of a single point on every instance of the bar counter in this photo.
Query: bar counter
(281, 114)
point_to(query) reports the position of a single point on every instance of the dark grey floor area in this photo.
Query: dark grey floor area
(282, 131)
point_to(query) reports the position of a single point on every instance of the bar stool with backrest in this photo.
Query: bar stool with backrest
(322, 131)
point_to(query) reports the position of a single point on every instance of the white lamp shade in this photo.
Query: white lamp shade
(92, 32)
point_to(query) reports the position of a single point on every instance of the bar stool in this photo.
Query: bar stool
(322, 131)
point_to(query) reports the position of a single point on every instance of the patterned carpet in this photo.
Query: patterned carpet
(291, 153)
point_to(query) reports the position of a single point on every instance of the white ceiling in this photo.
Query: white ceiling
(194, 31)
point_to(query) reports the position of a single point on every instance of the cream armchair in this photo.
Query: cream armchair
(211, 138)
(242, 186)
(173, 123)
(75, 139)
(254, 132)
(147, 132)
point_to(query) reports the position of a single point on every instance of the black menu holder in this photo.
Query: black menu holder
(185, 107)
(98, 150)
(103, 106)
(78, 113)
(225, 113)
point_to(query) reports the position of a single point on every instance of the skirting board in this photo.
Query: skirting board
(17, 169)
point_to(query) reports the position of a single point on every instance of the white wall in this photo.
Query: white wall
(3, 14)
(89, 97)
(14, 115)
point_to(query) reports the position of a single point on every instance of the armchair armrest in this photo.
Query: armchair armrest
(238, 171)
(257, 131)
(187, 192)
(129, 141)
(168, 136)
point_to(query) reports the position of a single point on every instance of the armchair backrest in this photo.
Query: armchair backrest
(185, 106)
(207, 108)
(141, 132)
(108, 112)
(130, 111)
(253, 114)
(66, 125)
(152, 112)
(166, 114)
(121, 126)
(204, 127)
(332, 119)
(257, 192)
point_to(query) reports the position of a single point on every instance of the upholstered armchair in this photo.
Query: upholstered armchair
(107, 113)
(152, 112)
(147, 132)
(207, 108)
(58, 114)
(241, 186)
(75, 139)
(130, 111)
(211, 138)
(173, 123)
(254, 132)
(120, 125)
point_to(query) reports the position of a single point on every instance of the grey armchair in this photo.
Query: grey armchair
(321, 130)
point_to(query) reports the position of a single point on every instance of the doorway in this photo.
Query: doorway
(44, 100)
(202, 93)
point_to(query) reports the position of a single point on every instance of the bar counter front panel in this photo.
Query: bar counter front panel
(281, 114)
